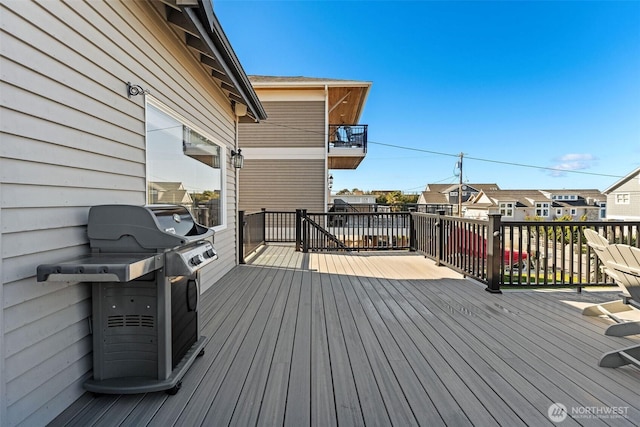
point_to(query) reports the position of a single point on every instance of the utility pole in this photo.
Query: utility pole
(460, 186)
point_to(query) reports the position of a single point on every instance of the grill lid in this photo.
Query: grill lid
(130, 228)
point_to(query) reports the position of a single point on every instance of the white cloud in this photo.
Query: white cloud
(572, 162)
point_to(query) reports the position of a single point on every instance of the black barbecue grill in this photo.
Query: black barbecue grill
(143, 266)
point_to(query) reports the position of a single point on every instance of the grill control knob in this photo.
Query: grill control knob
(209, 253)
(196, 260)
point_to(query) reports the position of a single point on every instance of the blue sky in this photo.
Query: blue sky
(540, 84)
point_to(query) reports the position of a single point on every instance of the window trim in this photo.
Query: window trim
(627, 197)
(542, 207)
(150, 100)
(602, 210)
(506, 206)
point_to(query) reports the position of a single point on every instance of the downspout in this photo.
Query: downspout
(326, 147)
(3, 372)
(236, 182)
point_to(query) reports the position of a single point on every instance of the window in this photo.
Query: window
(183, 167)
(542, 209)
(622, 198)
(506, 209)
(558, 212)
(574, 211)
(603, 210)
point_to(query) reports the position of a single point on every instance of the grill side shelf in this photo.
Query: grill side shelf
(101, 268)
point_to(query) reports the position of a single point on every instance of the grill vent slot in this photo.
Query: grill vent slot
(131, 320)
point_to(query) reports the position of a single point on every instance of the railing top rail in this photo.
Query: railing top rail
(452, 218)
(270, 212)
(572, 223)
(359, 213)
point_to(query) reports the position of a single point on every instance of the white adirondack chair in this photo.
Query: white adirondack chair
(622, 310)
(624, 261)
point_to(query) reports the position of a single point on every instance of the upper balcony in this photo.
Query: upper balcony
(347, 145)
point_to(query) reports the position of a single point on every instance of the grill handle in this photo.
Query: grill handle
(192, 295)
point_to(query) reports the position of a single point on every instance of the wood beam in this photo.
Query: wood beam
(181, 21)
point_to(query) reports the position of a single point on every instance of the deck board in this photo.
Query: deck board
(374, 409)
(381, 339)
(348, 411)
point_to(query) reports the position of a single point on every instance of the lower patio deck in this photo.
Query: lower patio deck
(383, 339)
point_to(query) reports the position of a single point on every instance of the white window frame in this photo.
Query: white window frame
(542, 209)
(507, 209)
(574, 211)
(603, 210)
(149, 100)
(622, 198)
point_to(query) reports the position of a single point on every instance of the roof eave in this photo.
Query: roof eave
(621, 181)
(307, 84)
(212, 34)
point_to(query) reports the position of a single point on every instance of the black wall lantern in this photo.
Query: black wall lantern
(237, 159)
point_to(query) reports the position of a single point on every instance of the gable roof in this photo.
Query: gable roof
(621, 181)
(442, 188)
(204, 36)
(438, 188)
(437, 193)
(435, 198)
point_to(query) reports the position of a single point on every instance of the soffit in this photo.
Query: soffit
(195, 22)
(346, 98)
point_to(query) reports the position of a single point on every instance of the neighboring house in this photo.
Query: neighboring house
(520, 205)
(312, 128)
(169, 193)
(354, 199)
(623, 198)
(75, 134)
(589, 204)
(447, 194)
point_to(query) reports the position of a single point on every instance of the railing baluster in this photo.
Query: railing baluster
(540, 253)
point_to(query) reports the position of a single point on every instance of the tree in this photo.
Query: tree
(560, 233)
(205, 196)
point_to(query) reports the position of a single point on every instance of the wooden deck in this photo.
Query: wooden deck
(382, 339)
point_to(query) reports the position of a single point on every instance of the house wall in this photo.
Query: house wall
(71, 139)
(629, 211)
(285, 156)
(282, 185)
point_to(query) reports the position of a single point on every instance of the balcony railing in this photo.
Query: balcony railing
(348, 136)
(433, 208)
(514, 254)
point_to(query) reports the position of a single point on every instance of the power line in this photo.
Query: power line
(449, 178)
(439, 153)
(495, 161)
